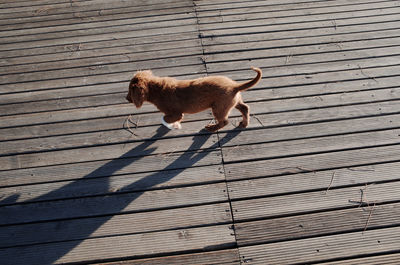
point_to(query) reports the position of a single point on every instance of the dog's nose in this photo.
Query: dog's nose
(129, 100)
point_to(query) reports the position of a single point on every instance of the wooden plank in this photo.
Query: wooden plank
(224, 257)
(317, 180)
(312, 163)
(312, 130)
(332, 61)
(140, 14)
(389, 259)
(92, 56)
(317, 224)
(309, 146)
(100, 68)
(75, 49)
(141, 30)
(294, 52)
(214, 38)
(165, 167)
(127, 246)
(137, 223)
(284, 28)
(235, 4)
(116, 137)
(327, 9)
(294, 78)
(227, 19)
(132, 151)
(112, 204)
(74, 81)
(324, 248)
(161, 20)
(334, 40)
(99, 61)
(77, 6)
(92, 186)
(308, 202)
(154, 33)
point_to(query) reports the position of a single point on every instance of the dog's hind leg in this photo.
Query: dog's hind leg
(245, 110)
(221, 116)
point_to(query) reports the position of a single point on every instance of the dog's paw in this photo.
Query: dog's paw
(242, 124)
(211, 127)
(176, 125)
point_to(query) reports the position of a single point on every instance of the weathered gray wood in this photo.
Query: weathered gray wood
(334, 40)
(278, 206)
(278, 13)
(317, 224)
(215, 38)
(337, 58)
(140, 14)
(95, 62)
(306, 15)
(389, 259)
(133, 151)
(313, 162)
(323, 248)
(318, 180)
(137, 223)
(224, 257)
(234, 28)
(168, 242)
(123, 43)
(192, 69)
(156, 32)
(112, 204)
(235, 4)
(311, 76)
(114, 137)
(92, 186)
(312, 130)
(310, 146)
(67, 7)
(99, 68)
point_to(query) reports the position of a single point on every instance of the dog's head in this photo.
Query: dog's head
(138, 88)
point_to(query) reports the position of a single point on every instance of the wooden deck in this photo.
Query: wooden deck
(315, 179)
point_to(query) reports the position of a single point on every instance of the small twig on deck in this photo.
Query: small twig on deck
(364, 74)
(129, 120)
(42, 10)
(353, 169)
(334, 24)
(255, 117)
(299, 168)
(369, 217)
(330, 184)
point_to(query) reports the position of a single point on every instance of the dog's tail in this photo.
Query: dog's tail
(252, 82)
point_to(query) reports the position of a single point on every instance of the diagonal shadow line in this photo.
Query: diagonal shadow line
(107, 206)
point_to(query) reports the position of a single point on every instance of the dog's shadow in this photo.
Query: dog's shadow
(111, 206)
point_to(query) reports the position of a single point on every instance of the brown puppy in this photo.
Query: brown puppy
(175, 97)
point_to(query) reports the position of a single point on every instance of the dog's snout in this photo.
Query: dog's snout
(128, 98)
